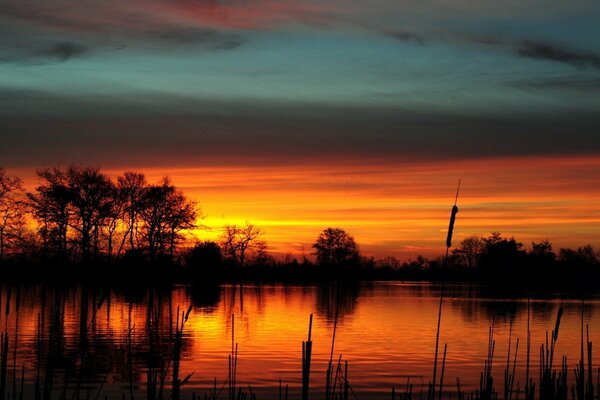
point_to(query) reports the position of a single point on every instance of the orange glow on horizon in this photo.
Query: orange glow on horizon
(399, 210)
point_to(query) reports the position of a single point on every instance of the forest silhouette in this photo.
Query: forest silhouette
(79, 222)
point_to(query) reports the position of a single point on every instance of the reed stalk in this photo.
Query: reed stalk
(552, 382)
(432, 384)
(233, 363)
(529, 384)
(306, 359)
(509, 371)
(329, 373)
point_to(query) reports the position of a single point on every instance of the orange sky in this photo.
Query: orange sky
(400, 210)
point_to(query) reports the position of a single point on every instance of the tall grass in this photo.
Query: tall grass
(432, 384)
(306, 358)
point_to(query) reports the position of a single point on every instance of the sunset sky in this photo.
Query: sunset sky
(298, 115)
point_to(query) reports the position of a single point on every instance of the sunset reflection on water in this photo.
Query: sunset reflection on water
(107, 341)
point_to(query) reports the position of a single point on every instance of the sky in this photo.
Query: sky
(299, 115)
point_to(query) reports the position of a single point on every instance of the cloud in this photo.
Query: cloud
(571, 83)
(538, 50)
(406, 36)
(115, 16)
(554, 52)
(37, 129)
(210, 38)
(64, 51)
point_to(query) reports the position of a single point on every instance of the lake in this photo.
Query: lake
(77, 342)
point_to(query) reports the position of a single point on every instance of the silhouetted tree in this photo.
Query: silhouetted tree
(91, 195)
(335, 247)
(236, 241)
(229, 244)
(166, 212)
(204, 255)
(23, 240)
(114, 219)
(584, 256)
(11, 209)
(502, 257)
(469, 251)
(131, 187)
(247, 235)
(261, 254)
(389, 262)
(587, 254)
(51, 208)
(542, 252)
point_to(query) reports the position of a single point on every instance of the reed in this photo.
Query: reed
(407, 394)
(176, 383)
(509, 370)
(4, 347)
(233, 359)
(283, 395)
(329, 384)
(306, 358)
(529, 384)
(16, 340)
(583, 389)
(432, 384)
(486, 390)
(552, 382)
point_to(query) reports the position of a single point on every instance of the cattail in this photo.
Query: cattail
(451, 226)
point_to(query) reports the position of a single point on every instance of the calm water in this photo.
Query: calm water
(104, 343)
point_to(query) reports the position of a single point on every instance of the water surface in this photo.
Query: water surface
(92, 342)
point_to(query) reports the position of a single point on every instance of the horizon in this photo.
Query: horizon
(299, 115)
(403, 220)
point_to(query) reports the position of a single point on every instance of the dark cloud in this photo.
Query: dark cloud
(554, 52)
(37, 129)
(523, 47)
(539, 50)
(570, 83)
(210, 38)
(65, 50)
(406, 36)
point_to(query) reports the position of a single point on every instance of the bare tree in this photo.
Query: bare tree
(229, 243)
(470, 251)
(91, 197)
(165, 213)
(132, 187)
(248, 234)
(261, 253)
(236, 241)
(51, 208)
(11, 209)
(23, 240)
(181, 217)
(114, 220)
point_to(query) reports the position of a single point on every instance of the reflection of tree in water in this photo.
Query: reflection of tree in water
(340, 298)
(79, 350)
(488, 310)
(71, 361)
(494, 304)
(205, 297)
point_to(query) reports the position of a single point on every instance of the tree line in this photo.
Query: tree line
(499, 259)
(79, 214)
